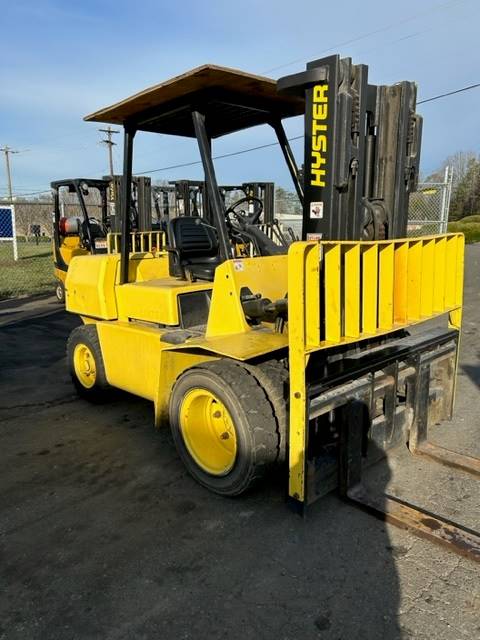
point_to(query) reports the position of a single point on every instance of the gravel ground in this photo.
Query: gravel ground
(104, 535)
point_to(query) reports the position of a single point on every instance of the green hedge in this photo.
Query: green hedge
(471, 230)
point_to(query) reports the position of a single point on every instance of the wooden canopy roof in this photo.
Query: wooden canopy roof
(231, 100)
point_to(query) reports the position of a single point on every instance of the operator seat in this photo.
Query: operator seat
(193, 249)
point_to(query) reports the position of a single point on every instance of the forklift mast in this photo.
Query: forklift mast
(191, 198)
(362, 151)
(141, 206)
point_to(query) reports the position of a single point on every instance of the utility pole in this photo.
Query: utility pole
(7, 151)
(110, 143)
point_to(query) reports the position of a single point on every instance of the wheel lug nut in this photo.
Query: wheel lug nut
(225, 435)
(217, 414)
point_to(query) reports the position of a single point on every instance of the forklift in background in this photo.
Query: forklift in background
(96, 205)
(141, 203)
(81, 233)
(190, 198)
(264, 191)
(300, 356)
(164, 203)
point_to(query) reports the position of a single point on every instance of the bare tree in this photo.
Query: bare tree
(460, 163)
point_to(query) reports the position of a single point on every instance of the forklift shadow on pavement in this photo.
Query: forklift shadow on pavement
(330, 575)
(264, 570)
(473, 372)
(339, 568)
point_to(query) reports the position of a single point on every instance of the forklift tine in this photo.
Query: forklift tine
(449, 458)
(420, 522)
(419, 443)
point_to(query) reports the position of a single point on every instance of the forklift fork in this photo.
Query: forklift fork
(418, 521)
(419, 443)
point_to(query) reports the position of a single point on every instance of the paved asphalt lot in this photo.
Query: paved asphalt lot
(104, 535)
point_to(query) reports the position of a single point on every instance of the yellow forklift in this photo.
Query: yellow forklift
(190, 198)
(79, 234)
(303, 357)
(93, 226)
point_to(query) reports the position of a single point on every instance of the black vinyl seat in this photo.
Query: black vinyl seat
(193, 247)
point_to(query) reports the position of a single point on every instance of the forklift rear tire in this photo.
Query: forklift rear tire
(86, 363)
(60, 292)
(223, 426)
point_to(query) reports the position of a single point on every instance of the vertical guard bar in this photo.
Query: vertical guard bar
(214, 196)
(303, 258)
(289, 159)
(129, 134)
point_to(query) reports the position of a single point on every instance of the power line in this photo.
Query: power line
(441, 5)
(224, 155)
(23, 195)
(17, 188)
(273, 144)
(248, 150)
(450, 93)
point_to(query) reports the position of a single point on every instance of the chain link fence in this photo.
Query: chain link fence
(26, 251)
(26, 265)
(429, 207)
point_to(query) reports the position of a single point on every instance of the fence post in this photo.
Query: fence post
(14, 233)
(446, 190)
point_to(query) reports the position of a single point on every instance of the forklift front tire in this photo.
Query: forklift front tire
(85, 362)
(60, 292)
(223, 426)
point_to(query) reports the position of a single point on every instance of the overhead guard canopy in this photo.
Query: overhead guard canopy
(231, 100)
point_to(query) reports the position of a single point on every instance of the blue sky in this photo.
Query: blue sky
(62, 60)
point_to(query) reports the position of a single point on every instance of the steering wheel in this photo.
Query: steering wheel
(243, 218)
(86, 238)
(96, 221)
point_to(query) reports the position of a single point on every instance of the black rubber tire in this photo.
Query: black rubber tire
(273, 377)
(252, 413)
(60, 292)
(87, 334)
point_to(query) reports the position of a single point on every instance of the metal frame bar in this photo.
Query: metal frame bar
(214, 196)
(59, 261)
(83, 207)
(289, 157)
(125, 202)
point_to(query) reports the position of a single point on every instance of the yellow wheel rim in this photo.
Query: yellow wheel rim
(208, 432)
(84, 365)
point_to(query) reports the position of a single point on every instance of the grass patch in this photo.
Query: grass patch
(32, 273)
(475, 218)
(471, 230)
